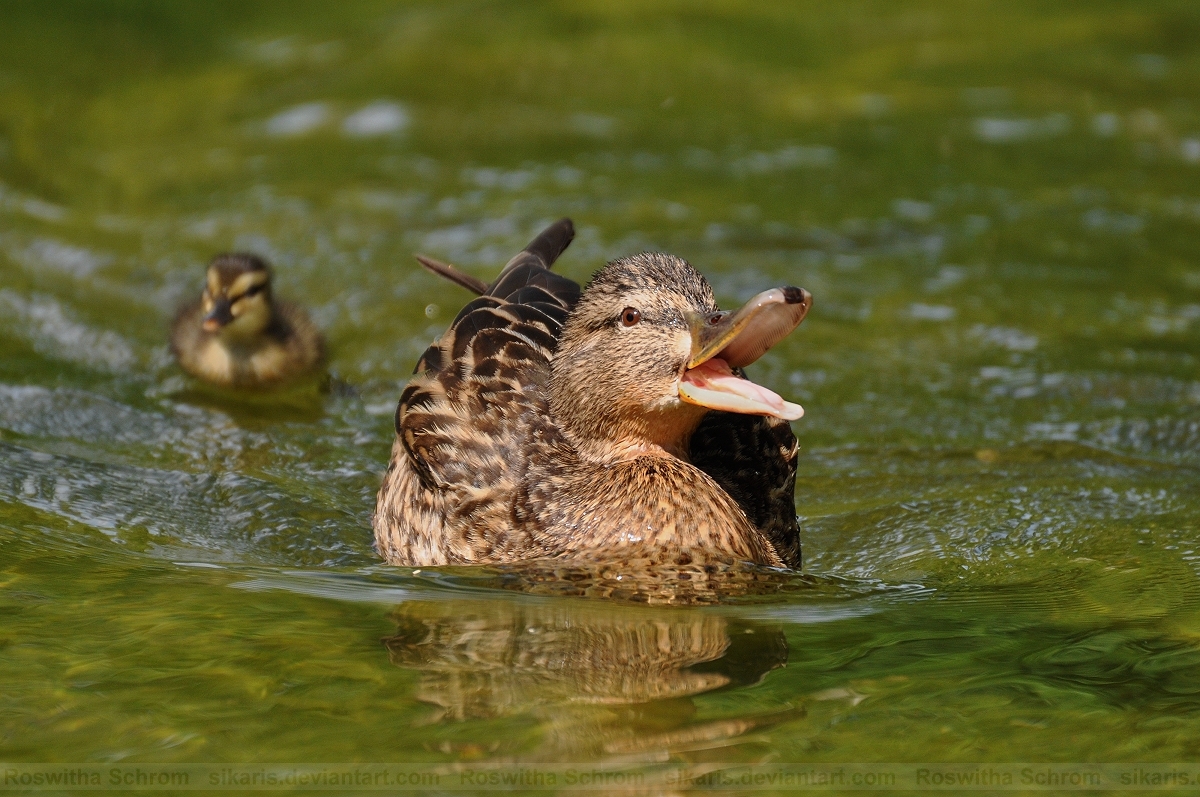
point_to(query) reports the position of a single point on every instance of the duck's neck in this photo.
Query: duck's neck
(611, 414)
(606, 432)
(623, 440)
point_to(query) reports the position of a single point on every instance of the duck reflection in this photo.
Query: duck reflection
(630, 581)
(602, 680)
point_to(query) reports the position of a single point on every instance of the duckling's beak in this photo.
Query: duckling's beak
(218, 317)
(724, 341)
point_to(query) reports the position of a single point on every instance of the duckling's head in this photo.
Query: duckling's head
(237, 297)
(646, 353)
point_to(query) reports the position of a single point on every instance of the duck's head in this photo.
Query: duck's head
(237, 296)
(646, 353)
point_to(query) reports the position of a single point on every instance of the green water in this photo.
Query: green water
(995, 205)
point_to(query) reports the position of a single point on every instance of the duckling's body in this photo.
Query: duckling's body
(546, 423)
(236, 336)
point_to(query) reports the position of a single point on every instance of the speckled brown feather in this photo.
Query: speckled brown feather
(481, 473)
(472, 419)
(652, 510)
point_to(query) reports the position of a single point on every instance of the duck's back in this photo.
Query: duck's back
(474, 416)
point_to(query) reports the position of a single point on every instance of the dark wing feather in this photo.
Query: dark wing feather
(754, 459)
(538, 257)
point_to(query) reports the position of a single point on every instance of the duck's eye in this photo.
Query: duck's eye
(716, 317)
(630, 316)
(253, 290)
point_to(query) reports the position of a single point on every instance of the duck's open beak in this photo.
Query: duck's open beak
(218, 317)
(724, 341)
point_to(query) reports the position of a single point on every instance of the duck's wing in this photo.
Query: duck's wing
(525, 292)
(754, 459)
(468, 421)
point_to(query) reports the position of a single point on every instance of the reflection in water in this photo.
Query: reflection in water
(601, 680)
(634, 581)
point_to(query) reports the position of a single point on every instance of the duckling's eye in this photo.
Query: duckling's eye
(630, 316)
(253, 290)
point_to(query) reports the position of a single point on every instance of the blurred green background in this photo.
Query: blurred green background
(995, 206)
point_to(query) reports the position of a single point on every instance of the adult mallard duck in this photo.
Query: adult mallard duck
(613, 423)
(235, 335)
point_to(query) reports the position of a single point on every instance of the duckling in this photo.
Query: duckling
(236, 336)
(613, 423)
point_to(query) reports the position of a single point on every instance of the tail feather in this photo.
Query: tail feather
(552, 241)
(543, 250)
(540, 253)
(471, 283)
